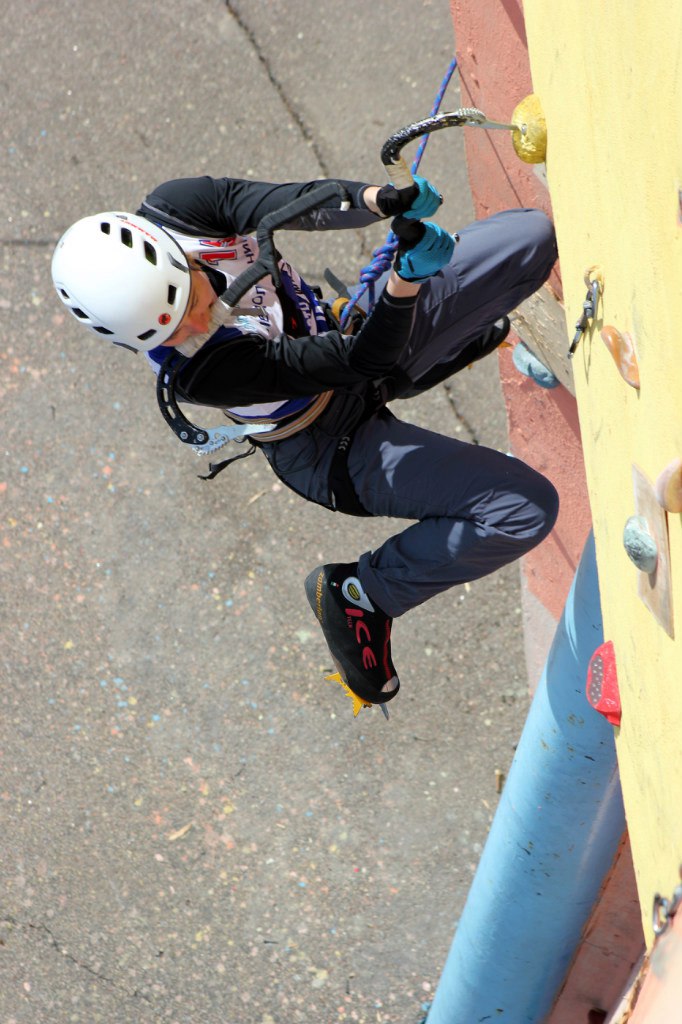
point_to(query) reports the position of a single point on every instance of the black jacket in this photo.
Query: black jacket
(250, 369)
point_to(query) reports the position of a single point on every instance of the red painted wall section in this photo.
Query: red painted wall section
(492, 55)
(544, 432)
(494, 72)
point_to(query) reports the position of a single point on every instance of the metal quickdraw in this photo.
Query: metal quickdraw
(589, 313)
(664, 910)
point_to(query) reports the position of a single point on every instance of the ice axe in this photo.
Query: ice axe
(528, 128)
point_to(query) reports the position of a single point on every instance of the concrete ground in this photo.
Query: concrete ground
(194, 828)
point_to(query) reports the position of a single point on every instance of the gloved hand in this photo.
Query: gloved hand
(418, 201)
(423, 248)
(426, 203)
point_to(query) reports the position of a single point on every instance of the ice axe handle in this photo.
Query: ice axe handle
(409, 232)
(399, 174)
(396, 167)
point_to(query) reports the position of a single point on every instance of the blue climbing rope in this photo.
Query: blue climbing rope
(382, 257)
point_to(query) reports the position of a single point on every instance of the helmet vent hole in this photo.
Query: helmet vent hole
(105, 227)
(102, 330)
(172, 292)
(79, 313)
(150, 252)
(65, 294)
(127, 237)
(147, 335)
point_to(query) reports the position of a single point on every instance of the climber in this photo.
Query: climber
(152, 281)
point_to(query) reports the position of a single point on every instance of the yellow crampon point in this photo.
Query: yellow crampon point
(529, 135)
(358, 702)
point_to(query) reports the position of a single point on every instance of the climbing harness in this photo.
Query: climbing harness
(292, 424)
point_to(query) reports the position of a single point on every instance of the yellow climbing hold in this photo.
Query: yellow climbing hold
(358, 702)
(530, 135)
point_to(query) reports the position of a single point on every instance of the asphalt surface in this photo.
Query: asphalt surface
(193, 827)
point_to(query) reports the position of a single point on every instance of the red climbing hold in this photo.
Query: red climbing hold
(602, 683)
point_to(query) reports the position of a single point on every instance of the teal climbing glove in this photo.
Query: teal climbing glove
(416, 202)
(423, 248)
(427, 201)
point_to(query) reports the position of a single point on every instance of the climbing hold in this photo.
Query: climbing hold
(530, 137)
(669, 487)
(640, 545)
(621, 347)
(530, 366)
(602, 683)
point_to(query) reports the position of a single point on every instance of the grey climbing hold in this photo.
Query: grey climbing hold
(530, 366)
(640, 545)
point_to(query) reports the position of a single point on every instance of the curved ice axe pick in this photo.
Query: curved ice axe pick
(527, 128)
(209, 439)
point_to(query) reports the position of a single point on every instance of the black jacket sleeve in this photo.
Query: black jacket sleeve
(251, 369)
(228, 206)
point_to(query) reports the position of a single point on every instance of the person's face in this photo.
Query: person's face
(197, 316)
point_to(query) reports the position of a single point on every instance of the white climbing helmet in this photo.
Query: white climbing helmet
(123, 278)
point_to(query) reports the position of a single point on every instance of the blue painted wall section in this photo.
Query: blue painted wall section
(553, 839)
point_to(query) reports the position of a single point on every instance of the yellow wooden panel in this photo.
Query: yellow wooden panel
(609, 77)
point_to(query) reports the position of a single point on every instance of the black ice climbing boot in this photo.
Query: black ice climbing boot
(358, 635)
